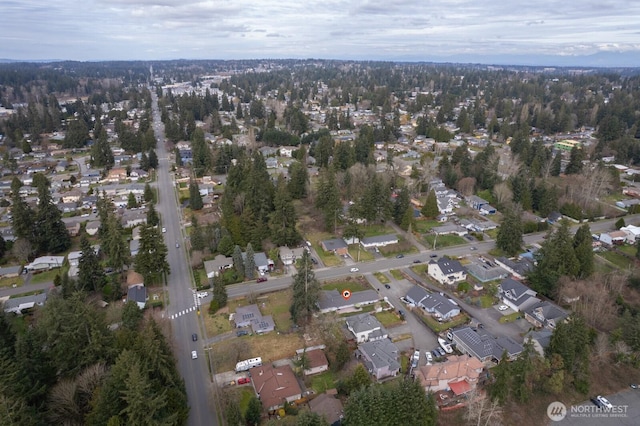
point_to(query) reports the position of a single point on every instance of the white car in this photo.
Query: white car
(429, 357)
(164, 230)
(502, 308)
(203, 294)
(194, 355)
(354, 269)
(603, 402)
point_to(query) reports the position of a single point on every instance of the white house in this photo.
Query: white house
(366, 327)
(45, 262)
(446, 271)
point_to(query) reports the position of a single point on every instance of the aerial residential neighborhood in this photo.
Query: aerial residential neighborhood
(299, 235)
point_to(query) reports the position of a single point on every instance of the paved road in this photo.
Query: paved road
(626, 412)
(181, 297)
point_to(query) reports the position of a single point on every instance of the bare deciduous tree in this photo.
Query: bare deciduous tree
(466, 185)
(601, 347)
(502, 193)
(481, 411)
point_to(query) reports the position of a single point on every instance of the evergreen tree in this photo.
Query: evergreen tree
(153, 159)
(152, 215)
(22, 216)
(582, 245)
(401, 204)
(90, 274)
(430, 209)
(254, 411)
(114, 245)
(51, 232)
(132, 201)
(283, 218)
(149, 196)
(509, 238)
(195, 199)
(249, 263)
(556, 166)
(219, 292)
(238, 262)
(306, 291)
(151, 260)
(575, 161)
(499, 389)
(620, 223)
(328, 198)
(298, 179)
(571, 340)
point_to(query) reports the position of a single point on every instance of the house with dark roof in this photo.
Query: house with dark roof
(545, 314)
(18, 304)
(332, 300)
(416, 294)
(516, 295)
(250, 316)
(10, 271)
(518, 268)
(482, 345)
(316, 362)
(379, 241)
(440, 306)
(220, 263)
(540, 339)
(329, 407)
(275, 385)
(446, 271)
(138, 293)
(336, 246)
(366, 327)
(380, 357)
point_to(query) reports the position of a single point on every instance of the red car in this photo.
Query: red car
(244, 380)
(261, 279)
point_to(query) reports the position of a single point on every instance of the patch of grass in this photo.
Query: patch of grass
(245, 396)
(388, 319)
(602, 266)
(396, 274)
(402, 337)
(377, 229)
(404, 362)
(9, 282)
(362, 310)
(509, 318)
(420, 269)
(484, 301)
(29, 293)
(616, 258)
(627, 249)
(45, 277)
(443, 240)
(439, 327)
(216, 324)
(277, 305)
(360, 255)
(322, 382)
(381, 277)
(346, 284)
(424, 226)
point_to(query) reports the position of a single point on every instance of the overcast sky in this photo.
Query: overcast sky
(418, 30)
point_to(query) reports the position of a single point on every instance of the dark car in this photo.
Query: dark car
(417, 261)
(261, 279)
(194, 337)
(433, 255)
(314, 261)
(435, 353)
(242, 333)
(387, 286)
(400, 256)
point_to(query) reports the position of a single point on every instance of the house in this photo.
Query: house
(18, 304)
(476, 202)
(487, 209)
(217, 265)
(250, 316)
(134, 246)
(44, 263)
(287, 151)
(275, 385)
(289, 256)
(540, 339)
(92, 227)
(518, 268)
(516, 295)
(459, 374)
(316, 362)
(332, 300)
(416, 295)
(545, 314)
(380, 357)
(138, 293)
(337, 246)
(632, 233)
(554, 217)
(116, 174)
(132, 218)
(263, 264)
(446, 271)
(379, 241)
(72, 196)
(366, 327)
(271, 163)
(440, 306)
(10, 271)
(450, 229)
(482, 345)
(328, 406)
(73, 228)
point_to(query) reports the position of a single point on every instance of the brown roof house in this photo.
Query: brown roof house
(459, 374)
(316, 361)
(327, 406)
(275, 385)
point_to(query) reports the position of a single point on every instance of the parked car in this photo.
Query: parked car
(194, 337)
(433, 255)
(387, 286)
(449, 335)
(429, 357)
(354, 269)
(417, 261)
(261, 279)
(244, 380)
(194, 355)
(441, 352)
(314, 261)
(177, 245)
(602, 402)
(634, 386)
(502, 308)
(240, 333)
(203, 294)
(469, 237)
(435, 353)
(164, 230)
(400, 256)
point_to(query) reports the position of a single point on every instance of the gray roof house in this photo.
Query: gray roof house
(440, 306)
(250, 316)
(518, 268)
(540, 339)
(482, 345)
(416, 295)
(10, 271)
(366, 328)
(263, 264)
(18, 304)
(332, 300)
(379, 241)
(219, 263)
(545, 314)
(446, 271)
(337, 246)
(516, 295)
(380, 357)
(138, 293)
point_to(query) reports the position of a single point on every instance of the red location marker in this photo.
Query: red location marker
(346, 294)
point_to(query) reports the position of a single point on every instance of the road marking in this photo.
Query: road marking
(181, 313)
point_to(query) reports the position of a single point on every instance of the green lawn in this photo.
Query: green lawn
(322, 382)
(617, 259)
(396, 274)
(360, 254)
(486, 301)
(424, 226)
(9, 282)
(443, 240)
(44, 277)
(420, 269)
(368, 308)
(439, 327)
(277, 305)
(387, 318)
(348, 284)
(381, 277)
(245, 395)
(377, 229)
(509, 318)
(627, 249)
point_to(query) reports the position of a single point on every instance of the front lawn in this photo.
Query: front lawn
(484, 301)
(443, 240)
(45, 277)
(381, 277)
(10, 282)
(377, 229)
(509, 318)
(425, 226)
(216, 324)
(439, 327)
(387, 318)
(277, 305)
(359, 254)
(322, 382)
(353, 285)
(396, 274)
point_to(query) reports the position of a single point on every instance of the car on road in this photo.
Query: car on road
(387, 286)
(400, 313)
(433, 255)
(203, 295)
(400, 256)
(261, 279)
(469, 237)
(194, 337)
(354, 269)
(503, 307)
(240, 333)
(602, 402)
(244, 380)
(634, 386)
(177, 245)
(194, 355)
(314, 261)
(417, 261)
(429, 357)
(474, 248)
(164, 230)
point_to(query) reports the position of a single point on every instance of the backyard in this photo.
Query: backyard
(388, 318)
(439, 327)
(443, 240)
